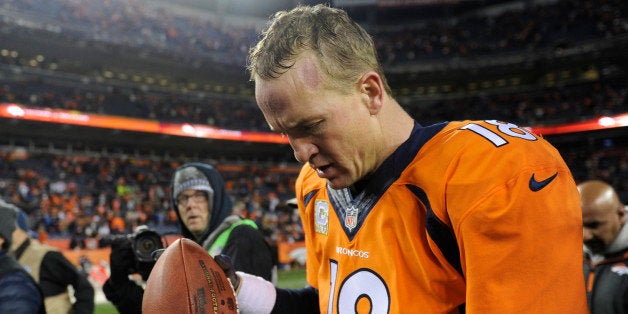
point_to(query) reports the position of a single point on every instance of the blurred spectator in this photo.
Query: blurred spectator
(606, 247)
(18, 291)
(53, 272)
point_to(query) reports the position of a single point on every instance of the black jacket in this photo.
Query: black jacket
(606, 277)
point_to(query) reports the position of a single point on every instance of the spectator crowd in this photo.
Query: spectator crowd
(189, 36)
(88, 197)
(552, 105)
(556, 24)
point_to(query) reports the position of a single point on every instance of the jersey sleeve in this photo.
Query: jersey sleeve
(516, 214)
(305, 188)
(520, 249)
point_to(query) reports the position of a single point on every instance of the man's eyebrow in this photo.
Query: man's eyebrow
(592, 223)
(298, 124)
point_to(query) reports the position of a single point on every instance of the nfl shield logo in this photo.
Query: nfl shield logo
(351, 218)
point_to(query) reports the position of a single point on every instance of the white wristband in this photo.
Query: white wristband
(255, 294)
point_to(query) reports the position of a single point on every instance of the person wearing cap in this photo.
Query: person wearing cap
(19, 292)
(605, 235)
(204, 212)
(53, 272)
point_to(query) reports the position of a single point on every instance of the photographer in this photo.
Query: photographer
(204, 210)
(130, 255)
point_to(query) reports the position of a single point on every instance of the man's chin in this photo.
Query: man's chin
(337, 183)
(194, 227)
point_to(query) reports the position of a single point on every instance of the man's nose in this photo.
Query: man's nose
(587, 234)
(303, 149)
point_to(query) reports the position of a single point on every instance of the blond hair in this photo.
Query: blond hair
(344, 50)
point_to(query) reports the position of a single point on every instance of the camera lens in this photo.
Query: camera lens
(148, 245)
(145, 244)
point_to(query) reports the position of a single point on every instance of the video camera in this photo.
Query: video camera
(143, 242)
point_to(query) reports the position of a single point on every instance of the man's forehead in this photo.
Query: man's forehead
(598, 215)
(308, 72)
(276, 95)
(592, 211)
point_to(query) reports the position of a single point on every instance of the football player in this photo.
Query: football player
(475, 216)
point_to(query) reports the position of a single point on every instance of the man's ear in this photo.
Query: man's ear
(373, 91)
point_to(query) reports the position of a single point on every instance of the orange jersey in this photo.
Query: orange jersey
(474, 215)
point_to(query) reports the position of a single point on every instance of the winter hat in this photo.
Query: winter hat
(8, 215)
(190, 178)
(219, 203)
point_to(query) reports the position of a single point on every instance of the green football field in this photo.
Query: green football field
(293, 279)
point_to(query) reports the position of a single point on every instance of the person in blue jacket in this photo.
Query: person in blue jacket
(18, 291)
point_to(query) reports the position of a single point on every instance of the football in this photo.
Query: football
(186, 279)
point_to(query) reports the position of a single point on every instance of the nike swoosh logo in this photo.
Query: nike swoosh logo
(536, 186)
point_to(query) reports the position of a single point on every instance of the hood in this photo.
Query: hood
(222, 206)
